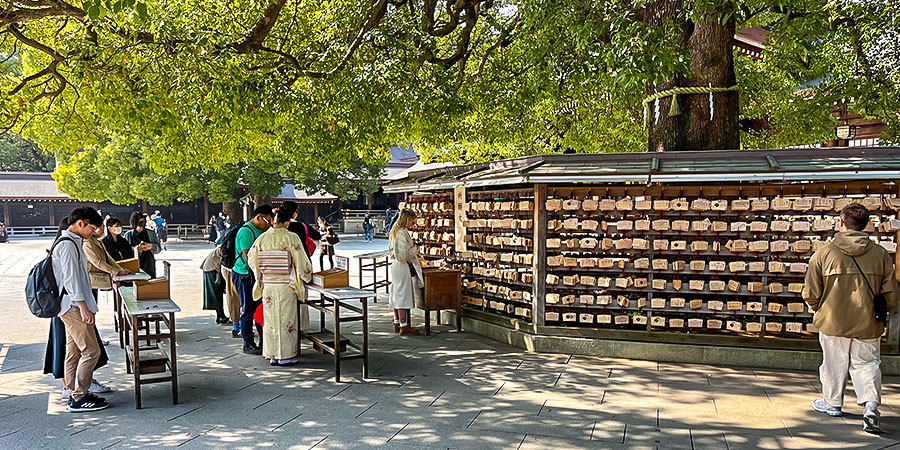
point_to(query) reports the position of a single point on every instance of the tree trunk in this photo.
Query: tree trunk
(233, 209)
(710, 47)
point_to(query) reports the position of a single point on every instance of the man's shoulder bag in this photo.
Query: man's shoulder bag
(879, 307)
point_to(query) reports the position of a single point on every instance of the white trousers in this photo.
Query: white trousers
(861, 358)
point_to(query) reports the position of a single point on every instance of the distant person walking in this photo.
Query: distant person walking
(145, 241)
(843, 279)
(328, 241)
(244, 279)
(213, 234)
(367, 227)
(405, 271)
(161, 228)
(220, 228)
(78, 308)
(4, 235)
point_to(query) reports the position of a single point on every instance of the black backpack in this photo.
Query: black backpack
(229, 247)
(41, 291)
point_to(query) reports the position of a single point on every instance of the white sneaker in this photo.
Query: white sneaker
(99, 388)
(872, 421)
(65, 394)
(820, 406)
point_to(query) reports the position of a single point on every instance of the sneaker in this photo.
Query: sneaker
(88, 403)
(409, 331)
(98, 388)
(252, 350)
(820, 406)
(105, 342)
(872, 421)
(235, 333)
(65, 394)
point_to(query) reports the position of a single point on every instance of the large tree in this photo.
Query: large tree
(20, 155)
(218, 83)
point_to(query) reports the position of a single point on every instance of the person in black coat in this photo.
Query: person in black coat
(115, 243)
(303, 230)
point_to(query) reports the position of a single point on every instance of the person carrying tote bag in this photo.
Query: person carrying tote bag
(405, 271)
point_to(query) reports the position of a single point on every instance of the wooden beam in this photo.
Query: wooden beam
(6, 218)
(539, 261)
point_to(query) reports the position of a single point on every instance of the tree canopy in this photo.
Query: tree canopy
(216, 84)
(120, 172)
(20, 155)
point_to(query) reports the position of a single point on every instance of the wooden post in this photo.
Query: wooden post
(894, 320)
(52, 212)
(6, 218)
(539, 261)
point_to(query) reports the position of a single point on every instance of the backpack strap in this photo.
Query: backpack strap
(241, 254)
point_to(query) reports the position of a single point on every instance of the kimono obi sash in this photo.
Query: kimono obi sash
(275, 266)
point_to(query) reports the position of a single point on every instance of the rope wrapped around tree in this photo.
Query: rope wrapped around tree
(674, 109)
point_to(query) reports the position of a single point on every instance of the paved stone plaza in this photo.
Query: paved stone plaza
(449, 390)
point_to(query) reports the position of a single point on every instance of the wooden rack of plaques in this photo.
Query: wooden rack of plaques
(499, 255)
(696, 264)
(433, 232)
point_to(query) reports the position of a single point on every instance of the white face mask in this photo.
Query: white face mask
(117, 230)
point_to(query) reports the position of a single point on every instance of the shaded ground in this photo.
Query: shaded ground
(450, 390)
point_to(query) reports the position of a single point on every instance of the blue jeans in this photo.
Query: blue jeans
(369, 233)
(243, 284)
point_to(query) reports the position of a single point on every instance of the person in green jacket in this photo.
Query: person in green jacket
(843, 278)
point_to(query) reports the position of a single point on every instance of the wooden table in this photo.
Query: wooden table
(373, 266)
(330, 301)
(146, 359)
(443, 290)
(117, 281)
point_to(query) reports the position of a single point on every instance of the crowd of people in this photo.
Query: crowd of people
(262, 268)
(258, 271)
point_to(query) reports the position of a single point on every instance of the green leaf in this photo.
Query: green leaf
(142, 10)
(93, 12)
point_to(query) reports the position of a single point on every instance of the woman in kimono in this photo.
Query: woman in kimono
(405, 271)
(281, 267)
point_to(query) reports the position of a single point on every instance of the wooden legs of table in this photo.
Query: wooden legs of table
(337, 341)
(135, 361)
(173, 360)
(365, 331)
(438, 318)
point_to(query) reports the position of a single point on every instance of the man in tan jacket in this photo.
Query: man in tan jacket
(843, 304)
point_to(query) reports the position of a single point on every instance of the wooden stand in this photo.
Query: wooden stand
(442, 291)
(371, 262)
(330, 301)
(143, 358)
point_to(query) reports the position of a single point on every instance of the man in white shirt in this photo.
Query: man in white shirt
(77, 308)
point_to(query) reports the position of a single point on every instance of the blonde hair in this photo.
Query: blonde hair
(401, 222)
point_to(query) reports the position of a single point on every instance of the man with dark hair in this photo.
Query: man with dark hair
(242, 276)
(843, 278)
(78, 307)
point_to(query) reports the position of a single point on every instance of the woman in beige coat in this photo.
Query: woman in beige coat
(406, 273)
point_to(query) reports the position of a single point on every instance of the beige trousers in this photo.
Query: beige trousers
(861, 358)
(231, 297)
(82, 354)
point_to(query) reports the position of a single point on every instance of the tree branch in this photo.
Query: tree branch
(259, 32)
(47, 8)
